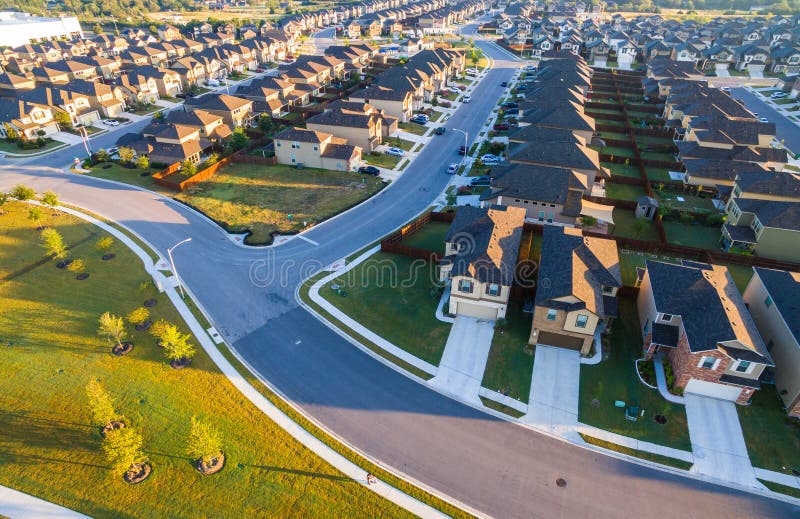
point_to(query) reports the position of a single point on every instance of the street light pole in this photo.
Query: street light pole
(466, 144)
(175, 270)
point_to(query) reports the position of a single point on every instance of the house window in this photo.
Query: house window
(581, 320)
(608, 290)
(316, 147)
(743, 366)
(465, 286)
(295, 146)
(493, 289)
(757, 227)
(666, 317)
(708, 363)
(541, 216)
(768, 301)
(551, 314)
(278, 144)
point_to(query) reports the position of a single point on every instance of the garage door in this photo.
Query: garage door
(721, 391)
(477, 311)
(560, 341)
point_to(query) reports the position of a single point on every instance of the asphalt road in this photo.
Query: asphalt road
(496, 467)
(787, 129)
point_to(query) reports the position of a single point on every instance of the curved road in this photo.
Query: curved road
(496, 467)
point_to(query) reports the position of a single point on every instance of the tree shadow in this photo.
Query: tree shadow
(315, 475)
(35, 432)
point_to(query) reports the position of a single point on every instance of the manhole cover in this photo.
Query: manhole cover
(561, 482)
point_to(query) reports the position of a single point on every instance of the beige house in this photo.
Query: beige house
(108, 100)
(576, 294)
(397, 103)
(772, 297)
(235, 111)
(480, 259)
(693, 315)
(26, 118)
(315, 149)
(75, 104)
(360, 124)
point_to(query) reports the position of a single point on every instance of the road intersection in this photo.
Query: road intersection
(498, 468)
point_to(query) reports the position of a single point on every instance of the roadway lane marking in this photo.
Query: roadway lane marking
(312, 242)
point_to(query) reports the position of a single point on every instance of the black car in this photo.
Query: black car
(522, 87)
(483, 181)
(504, 84)
(369, 170)
(462, 150)
(511, 104)
(440, 130)
(512, 111)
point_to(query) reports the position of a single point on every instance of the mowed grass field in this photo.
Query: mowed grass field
(49, 350)
(258, 199)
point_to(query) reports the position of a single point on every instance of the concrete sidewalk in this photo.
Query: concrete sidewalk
(717, 442)
(464, 359)
(661, 382)
(18, 505)
(553, 401)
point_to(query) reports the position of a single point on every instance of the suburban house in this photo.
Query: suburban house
(360, 124)
(138, 88)
(773, 298)
(763, 215)
(76, 105)
(480, 259)
(165, 143)
(108, 99)
(548, 194)
(694, 315)
(26, 118)
(576, 294)
(235, 111)
(314, 149)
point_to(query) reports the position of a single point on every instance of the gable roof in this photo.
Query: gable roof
(784, 289)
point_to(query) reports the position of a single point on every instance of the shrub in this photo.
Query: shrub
(23, 192)
(102, 156)
(50, 199)
(35, 214)
(159, 327)
(53, 243)
(176, 344)
(588, 221)
(188, 168)
(125, 155)
(105, 243)
(715, 220)
(138, 316)
(77, 266)
(142, 162)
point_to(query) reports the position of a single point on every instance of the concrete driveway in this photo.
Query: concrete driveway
(464, 358)
(553, 401)
(717, 442)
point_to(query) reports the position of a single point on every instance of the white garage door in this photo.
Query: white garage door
(721, 391)
(477, 311)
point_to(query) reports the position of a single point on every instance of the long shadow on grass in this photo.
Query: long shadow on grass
(28, 431)
(316, 475)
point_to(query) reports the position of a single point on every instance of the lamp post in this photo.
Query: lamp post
(175, 270)
(466, 144)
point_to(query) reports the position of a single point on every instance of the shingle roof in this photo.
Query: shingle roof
(784, 289)
(775, 183)
(541, 183)
(771, 213)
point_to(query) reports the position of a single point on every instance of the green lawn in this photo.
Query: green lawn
(773, 439)
(115, 171)
(416, 129)
(609, 122)
(624, 191)
(11, 147)
(509, 367)
(691, 235)
(630, 260)
(616, 379)
(436, 115)
(616, 151)
(630, 170)
(646, 140)
(613, 135)
(657, 155)
(627, 225)
(657, 174)
(51, 450)
(382, 160)
(690, 202)
(430, 237)
(397, 286)
(403, 144)
(258, 199)
(657, 458)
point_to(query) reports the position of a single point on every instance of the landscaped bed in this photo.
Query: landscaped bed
(259, 199)
(116, 171)
(51, 450)
(401, 287)
(12, 148)
(615, 379)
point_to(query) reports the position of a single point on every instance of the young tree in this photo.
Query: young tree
(123, 449)
(77, 266)
(188, 168)
(205, 442)
(22, 192)
(138, 316)
(142, 162)
(50, 199)
(12, 134)
(238, 139)
(112, 327)
(97, 29)
(588, 221)
(53, 243)
(100, 404)
(176, 344)
(63, 119)
(105, 243)
(158, 328)
(35, 214)
(126, 154)
(101, 155)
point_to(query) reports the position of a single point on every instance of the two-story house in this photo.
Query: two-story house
(309, 148)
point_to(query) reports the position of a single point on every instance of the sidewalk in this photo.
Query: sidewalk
(464, 359)
(18, 505)
(661, 382)
(296, 431)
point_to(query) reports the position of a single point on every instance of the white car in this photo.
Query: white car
(113, 150)
(452, 169)
(395, 152)
(467, 98)
(779, 95)
(489, 156)
(763, 119)
(111, 122)
(726, 89)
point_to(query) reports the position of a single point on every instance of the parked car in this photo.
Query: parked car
(779, 95)
(501, 127)
(483, 181)
(369, 170)
(110, 122)
(440, 130)
(112, 150)
(395, 152)
(522, 87)
(504, 84)
(726, 89)
(462, 150)
(511, 111)
(419, 119)
(763, 119)
(467, 98)
(261, 70)
(452, 169)
(510, 104)
(212, 82)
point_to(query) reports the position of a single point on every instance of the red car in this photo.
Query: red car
(501, 127)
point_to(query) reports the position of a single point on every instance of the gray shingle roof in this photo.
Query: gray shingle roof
(784, 289)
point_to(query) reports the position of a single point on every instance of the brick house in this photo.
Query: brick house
(694, 316)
